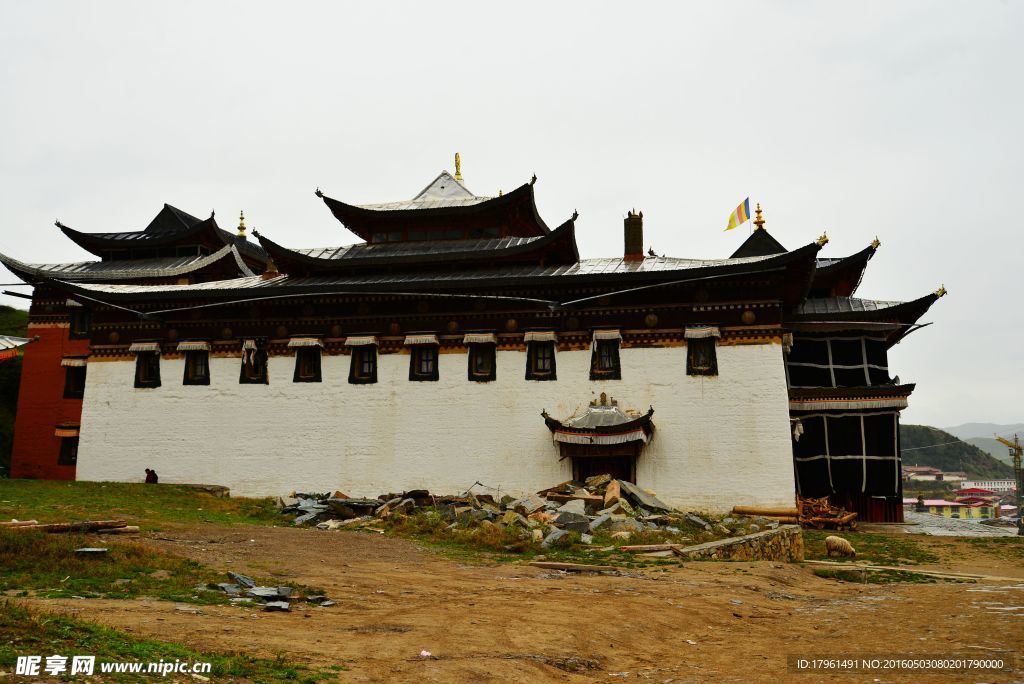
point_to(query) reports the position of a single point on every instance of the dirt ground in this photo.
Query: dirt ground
(511, 623)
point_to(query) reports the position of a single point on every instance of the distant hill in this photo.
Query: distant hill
(956, 456)
(995, 449)
(13, 322)
(969, 430)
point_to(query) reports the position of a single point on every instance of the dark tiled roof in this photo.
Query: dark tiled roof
(837, 305)
(760, 243)
(105, 271)
(425, 248)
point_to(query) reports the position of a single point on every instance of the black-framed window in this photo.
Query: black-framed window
(307, 364)
(81, 323)
(147, 369)
(74, 382)
(68, 451)
(363, 368)
(423, 362)
(701, 356)
(482, 362)
(197, 368)
(604, 361)
(540, 361)
(254, 367)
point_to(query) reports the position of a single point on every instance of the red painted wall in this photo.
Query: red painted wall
(41, 403)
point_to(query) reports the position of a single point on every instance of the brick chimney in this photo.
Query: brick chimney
(633, 233)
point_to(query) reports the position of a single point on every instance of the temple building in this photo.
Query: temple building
(463, 340)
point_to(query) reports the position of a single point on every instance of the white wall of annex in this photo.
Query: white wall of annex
(719, 441)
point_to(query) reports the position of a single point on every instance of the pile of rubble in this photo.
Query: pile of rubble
(600, 504)
(243, 590)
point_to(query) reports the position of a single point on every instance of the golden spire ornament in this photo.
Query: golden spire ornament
(241, 224)
(758, 219)
(458, 167)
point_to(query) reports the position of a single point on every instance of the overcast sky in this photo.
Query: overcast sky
(896, 119)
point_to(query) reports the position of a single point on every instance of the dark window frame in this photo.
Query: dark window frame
(191, 375)
(695, 365)
(424, 360)
(74, 382)
(363, 366)
(537, 353)
(482, 350)
(255, 360)
(80, 323)
(147, 369)
(68, 455)
(605, 363)
(308, 365)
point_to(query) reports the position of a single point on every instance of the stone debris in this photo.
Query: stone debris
(600, 505)
(272, 598)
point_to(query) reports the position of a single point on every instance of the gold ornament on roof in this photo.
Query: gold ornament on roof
(758, 218)
(941, 292)
(876, 243)
(823, 240)
(241, 224)
(458, 167)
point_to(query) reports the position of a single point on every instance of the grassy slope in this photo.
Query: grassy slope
(24, 632)
(957, 456)
(13, 322)
(151, 506)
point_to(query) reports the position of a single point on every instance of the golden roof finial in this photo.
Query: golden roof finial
(823, 240)
(758, 219)
(876, 243)
(941, 292)
(241, 224)
(458, 167)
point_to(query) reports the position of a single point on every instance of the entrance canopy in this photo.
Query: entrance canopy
(603, 423)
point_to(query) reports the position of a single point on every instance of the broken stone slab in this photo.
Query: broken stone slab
(245, 581)
(277, 606)
(621, 507)
(306, 517)
(626, 525)
(587, 538)
(270, 593)
(612, 493)
(531, 503)
(600, 520)
(537, 535)
(553, 536)
(624, 535)
(597, 481)
(318, 598)
(723, 529)
(698, 521)
(513, 518)
(648, 501)
(230, 589)
(240, 601)
(576, 506)
(471, 515)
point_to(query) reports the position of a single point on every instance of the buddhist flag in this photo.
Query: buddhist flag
(741, 215)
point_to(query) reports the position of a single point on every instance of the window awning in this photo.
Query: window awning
(74, 361)
(607, 335)
(701, 332)
(420, 339)
(193, 345)
(540, 336)
(249, 345)
(304, 342)
(72, 302)
(139, 347)
(480, 338)
(360, 340)
(67, 431)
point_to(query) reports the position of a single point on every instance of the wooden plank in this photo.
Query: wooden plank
(85, 526)
(572, 567)
(650, 547)
(765, 512)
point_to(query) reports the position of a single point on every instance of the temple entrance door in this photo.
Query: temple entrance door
(618, 460)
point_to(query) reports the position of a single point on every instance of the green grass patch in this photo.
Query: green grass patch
(874, 576)
(1000, 547)
(25, 632)
(881, 549)
(153, 506)
(47, 566)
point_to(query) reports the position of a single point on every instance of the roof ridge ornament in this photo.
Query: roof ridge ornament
(241, 223)
(758, 218)
(533, 180)
(823, 240)
(319, 193)
(458, 167)
(876, 243)
(941, 292)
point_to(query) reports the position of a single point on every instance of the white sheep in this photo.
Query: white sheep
(839, 546)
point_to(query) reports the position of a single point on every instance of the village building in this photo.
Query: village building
(463, 340)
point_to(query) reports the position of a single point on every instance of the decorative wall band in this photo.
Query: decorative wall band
(74, 361)
(702, 332)
(193, 345)
(137, 347)
(359, 341)
(540, 336)
(305, 342)
(828, 404)
(479, 338)
(420, 339)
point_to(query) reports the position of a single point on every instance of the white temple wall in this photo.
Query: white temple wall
(719, 441)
